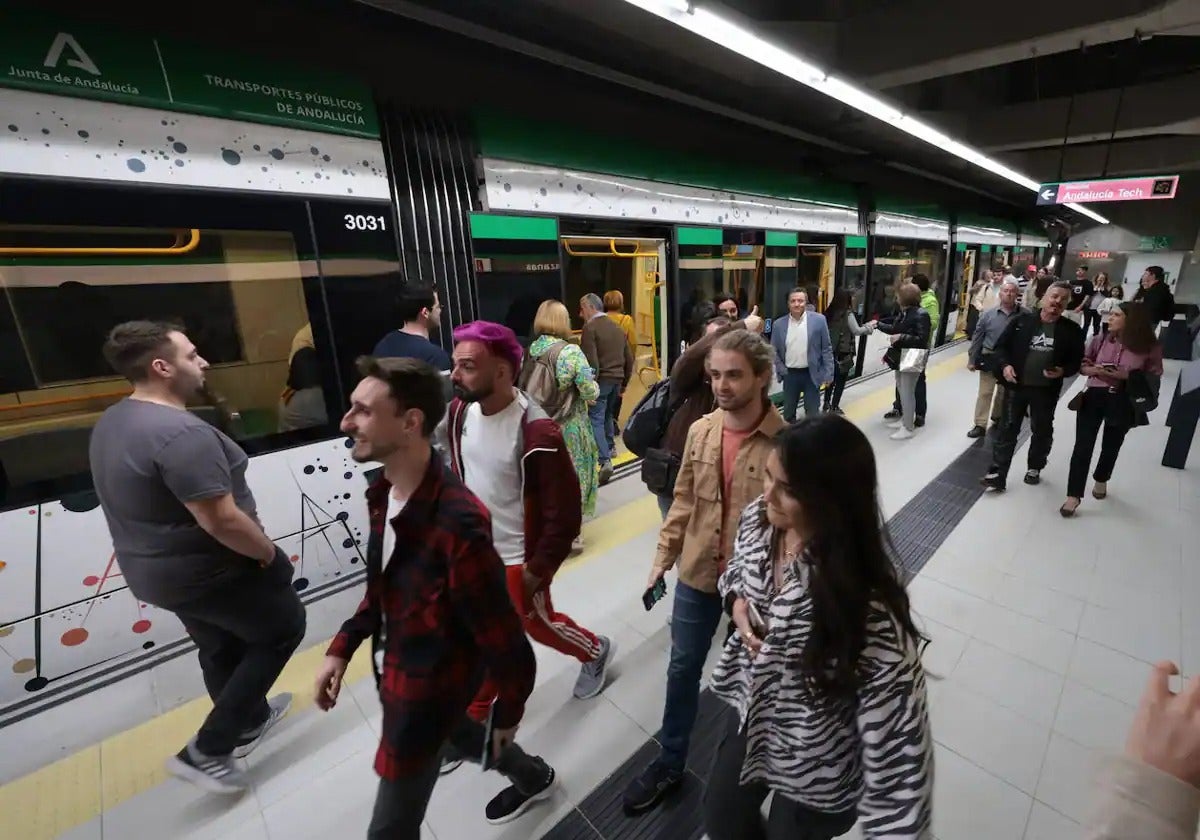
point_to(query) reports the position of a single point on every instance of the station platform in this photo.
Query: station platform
(1043, 632)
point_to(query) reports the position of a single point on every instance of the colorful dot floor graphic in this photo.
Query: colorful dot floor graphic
(67, 633)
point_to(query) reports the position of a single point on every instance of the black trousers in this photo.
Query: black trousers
(733, 811)
(400, 804)
(1091, 318)
(1039, 403)
(1092, 415)
(833, 394)
(245, 632)
(1182, 417)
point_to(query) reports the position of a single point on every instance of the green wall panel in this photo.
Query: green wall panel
(492, 226)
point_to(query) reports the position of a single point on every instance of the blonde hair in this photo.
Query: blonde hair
(553, 319)
(614, 301)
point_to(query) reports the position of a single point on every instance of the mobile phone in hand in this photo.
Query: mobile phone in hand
(756, 620)
(654, 594)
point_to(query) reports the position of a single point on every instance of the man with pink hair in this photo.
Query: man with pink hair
(512, 456)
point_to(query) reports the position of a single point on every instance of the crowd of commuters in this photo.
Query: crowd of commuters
(772, 523)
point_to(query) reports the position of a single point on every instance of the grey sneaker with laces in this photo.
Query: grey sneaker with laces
(214, 773)
(592, 674)
(278, 705)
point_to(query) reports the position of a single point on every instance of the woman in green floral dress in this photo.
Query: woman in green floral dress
(551, 325)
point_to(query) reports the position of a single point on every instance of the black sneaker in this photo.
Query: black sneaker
(510, 803)
(976, 432)
(214, 773)
(892, 415)
(650, 788)
(1033, 476)
(918, 421)
(993, 481)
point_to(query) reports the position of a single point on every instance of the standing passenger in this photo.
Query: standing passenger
(909, 330)
(1154, 292)
(614, 308)
(989, 402)
(187, 539)
(512, 456)
(608, 353)
(803, 355)
(721, 473)
(933, 308)
(436, 610)
(420, 312)
(843, 330)
(1033, 356)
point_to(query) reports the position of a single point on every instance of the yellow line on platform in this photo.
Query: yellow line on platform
(75, 789)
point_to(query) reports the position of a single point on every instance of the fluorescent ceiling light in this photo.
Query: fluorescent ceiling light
(703, 21)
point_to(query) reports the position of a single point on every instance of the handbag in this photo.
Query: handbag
(660, 469)
(913, 360)
(1076, 401)
(1142, 390)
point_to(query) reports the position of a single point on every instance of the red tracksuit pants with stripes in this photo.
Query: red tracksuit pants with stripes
(545, 626)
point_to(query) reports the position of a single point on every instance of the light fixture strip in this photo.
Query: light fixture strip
(703, 21)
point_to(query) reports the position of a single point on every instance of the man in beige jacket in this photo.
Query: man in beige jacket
(721, 473)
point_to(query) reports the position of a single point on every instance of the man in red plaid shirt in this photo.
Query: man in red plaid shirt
(437, 610)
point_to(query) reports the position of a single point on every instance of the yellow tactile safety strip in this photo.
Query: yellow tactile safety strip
(73, 790)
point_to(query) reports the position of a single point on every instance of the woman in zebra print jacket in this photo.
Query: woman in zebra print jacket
(824, 674)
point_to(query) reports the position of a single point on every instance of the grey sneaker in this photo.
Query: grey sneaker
(279, 705)
(606, 473)
(214, 773)
(591, 675)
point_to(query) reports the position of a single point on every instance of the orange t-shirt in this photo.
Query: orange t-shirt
(731, 442)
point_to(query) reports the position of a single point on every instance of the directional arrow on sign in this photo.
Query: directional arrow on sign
(1048, 194)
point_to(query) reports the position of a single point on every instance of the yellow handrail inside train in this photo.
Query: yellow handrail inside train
(180, 247)
(610, 252)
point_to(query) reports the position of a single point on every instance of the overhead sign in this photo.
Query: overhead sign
(53, 56)
(1113, 189)
(1093, 255)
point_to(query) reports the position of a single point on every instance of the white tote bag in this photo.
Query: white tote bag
(913, 359)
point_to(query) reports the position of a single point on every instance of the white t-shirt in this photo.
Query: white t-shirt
(492, 471)
(797, 343)
(395, 506)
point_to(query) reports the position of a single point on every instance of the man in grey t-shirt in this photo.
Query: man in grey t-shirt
(187, 538)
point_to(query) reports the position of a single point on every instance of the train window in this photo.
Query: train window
(238, 294)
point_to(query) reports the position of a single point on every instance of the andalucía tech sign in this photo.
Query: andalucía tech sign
(1113, 189)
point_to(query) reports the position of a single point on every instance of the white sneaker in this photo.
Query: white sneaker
(902, 434)
(214, 773)
(894, 424)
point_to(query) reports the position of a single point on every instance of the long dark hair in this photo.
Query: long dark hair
(830, 470)
(1138, 333)
(838, 305)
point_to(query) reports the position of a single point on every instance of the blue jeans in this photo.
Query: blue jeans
(795, 382)
(694, 620)
(601, 414)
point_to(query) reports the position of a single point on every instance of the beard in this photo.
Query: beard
(473, 396)
(738, 401)
(363, 451)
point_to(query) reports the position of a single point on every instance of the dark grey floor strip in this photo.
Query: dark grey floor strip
(917, 529)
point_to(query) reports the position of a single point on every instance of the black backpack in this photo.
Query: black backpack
(647, 424)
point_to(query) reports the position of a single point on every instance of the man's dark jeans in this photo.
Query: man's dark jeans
(245, 632)
(1039, 401)
(400, 804)
(694, 620)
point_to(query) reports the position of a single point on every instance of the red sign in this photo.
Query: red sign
(1093, 255)
(1116, 189)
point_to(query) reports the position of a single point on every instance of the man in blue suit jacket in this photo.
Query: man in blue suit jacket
(805, 362)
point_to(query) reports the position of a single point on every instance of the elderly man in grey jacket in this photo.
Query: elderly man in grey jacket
(991, 324)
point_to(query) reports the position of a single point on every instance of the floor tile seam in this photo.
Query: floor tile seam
(1062, 690)
(983, 769)
(958, 686)
(991, 600)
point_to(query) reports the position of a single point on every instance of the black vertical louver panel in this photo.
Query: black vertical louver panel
(431, 162)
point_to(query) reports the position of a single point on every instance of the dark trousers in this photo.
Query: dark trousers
(1182, 417)
(922, 397)
(833, 394)
(733, 811)
(400, 803)
(1091, 318)
(245, 632)
(1091, 416)
(694, 620)
(799, 381)
(602, 415)
(1039, 403)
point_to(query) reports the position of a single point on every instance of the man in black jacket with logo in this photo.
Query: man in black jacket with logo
(1032, 357)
